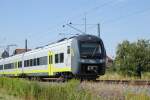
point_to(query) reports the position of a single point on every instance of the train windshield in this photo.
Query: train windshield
(90, 50)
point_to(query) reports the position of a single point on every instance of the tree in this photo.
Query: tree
(132, 58)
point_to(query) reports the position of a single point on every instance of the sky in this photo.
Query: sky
(41, 21)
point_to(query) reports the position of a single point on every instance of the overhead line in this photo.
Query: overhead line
(122, 17)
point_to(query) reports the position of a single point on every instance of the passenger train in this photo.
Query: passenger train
(81, 56)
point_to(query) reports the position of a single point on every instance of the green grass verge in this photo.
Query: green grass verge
(116, 76)
(131, 96)
(36, 91)
(4, 95)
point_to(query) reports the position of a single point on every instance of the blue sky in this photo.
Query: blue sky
(41, 20)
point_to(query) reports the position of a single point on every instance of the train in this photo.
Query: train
(82, 56)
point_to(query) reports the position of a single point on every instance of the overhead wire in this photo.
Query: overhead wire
(123, 17)
(127, 15)
(79, 15)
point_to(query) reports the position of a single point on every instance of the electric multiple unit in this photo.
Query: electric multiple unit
(81, 56)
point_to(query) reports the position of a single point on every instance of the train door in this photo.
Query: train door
(50, 63)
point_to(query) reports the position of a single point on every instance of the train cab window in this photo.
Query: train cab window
(61, 57)
(56, 58)
(68, 49)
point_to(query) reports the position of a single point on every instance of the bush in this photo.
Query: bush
(133, 58)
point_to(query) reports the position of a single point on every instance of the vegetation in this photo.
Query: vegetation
(4, 95)
(20, 89)
(117, 91)
(132, 59)
(36, 91)
(109, 75)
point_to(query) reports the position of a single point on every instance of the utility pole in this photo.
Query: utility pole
(99, 30)
(26, 45)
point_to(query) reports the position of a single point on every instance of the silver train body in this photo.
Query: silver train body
(82, 56)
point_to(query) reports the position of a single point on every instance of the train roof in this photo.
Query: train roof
(61, 41)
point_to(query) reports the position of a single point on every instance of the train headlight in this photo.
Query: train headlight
(90, 68)
(102, 60)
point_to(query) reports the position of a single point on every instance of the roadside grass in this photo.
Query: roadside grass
(132, 96)
(146, 75)
(28, 90)
(117, 91)
(116, 76)
(21, 89)
(4, 95)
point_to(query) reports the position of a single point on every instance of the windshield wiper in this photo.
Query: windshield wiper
(94, 51)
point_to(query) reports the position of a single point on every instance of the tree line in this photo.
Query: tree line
(132, 58)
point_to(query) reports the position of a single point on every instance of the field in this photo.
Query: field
(20, 89)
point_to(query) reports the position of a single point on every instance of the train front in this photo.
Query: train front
(89, 58)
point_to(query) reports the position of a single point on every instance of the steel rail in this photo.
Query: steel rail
(128, 82)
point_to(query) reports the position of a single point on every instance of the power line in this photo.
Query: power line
(123, 17)
(89, 11)
(126, 16)
(93, 9)
(100, 6)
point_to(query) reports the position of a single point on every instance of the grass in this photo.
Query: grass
(141, 96)
(36, 91)
(116, 76)
(21, 89)
(4, 95)
(117, 91)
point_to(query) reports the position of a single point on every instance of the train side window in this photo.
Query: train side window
(31, 62)
(61, 57)
(34, 62)
(12, 65)
(1, 67)
(38, 61)
(19, 64)
(6, 66)
(56, 58)
(25, 63)
(28, 63)
(68, 49)
(9, 66)
(43, 60)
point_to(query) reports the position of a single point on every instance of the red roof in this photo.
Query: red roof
(19, 51)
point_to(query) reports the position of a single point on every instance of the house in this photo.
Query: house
(109, 61)
(19, 51)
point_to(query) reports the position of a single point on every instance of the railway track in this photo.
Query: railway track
(127, 82)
